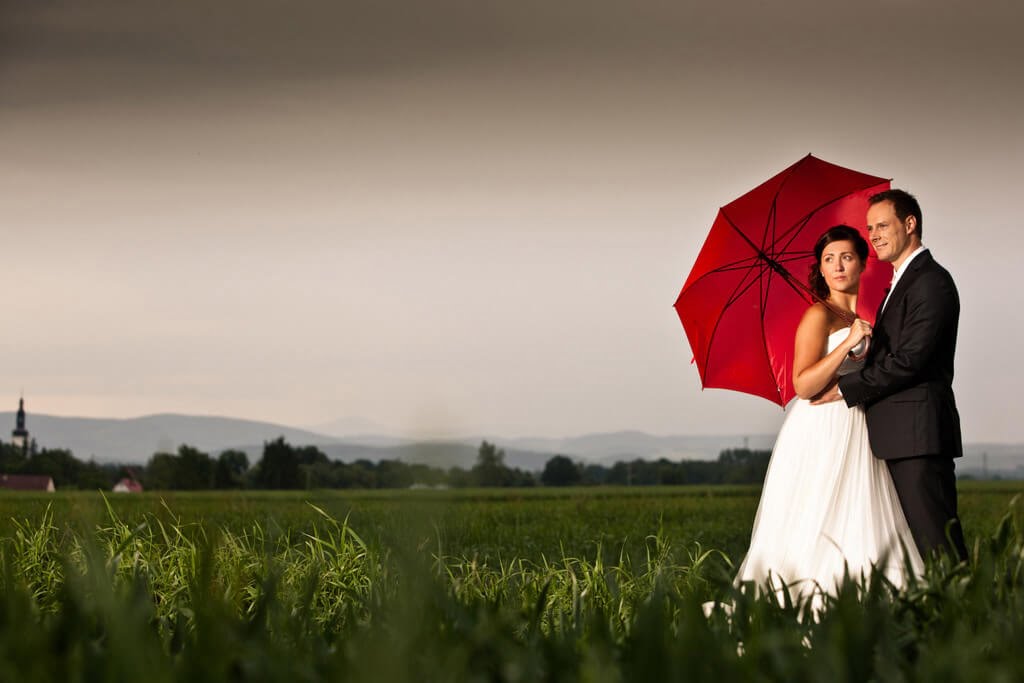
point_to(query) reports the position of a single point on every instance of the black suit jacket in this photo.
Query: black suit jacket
(906, 385)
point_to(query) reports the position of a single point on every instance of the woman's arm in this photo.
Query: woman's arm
(813, 369)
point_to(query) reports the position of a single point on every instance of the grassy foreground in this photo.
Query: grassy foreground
(462, 586)
(489, 524)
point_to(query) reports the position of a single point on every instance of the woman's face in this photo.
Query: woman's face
(841, 266)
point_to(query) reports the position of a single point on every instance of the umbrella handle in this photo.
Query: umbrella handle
(861, 349)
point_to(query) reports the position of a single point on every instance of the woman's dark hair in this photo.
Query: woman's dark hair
(837, 233)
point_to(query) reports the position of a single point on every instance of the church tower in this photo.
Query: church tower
(19, 437)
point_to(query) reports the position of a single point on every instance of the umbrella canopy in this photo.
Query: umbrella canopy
(747, 292)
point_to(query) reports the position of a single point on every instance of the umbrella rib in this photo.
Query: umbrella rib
(740, 264)
(802, 223)
(735, 266)
(758, 253)
(793, 232)
(771, 262)
(740, 290)
(803, 289)
(772, 212)
(770, 221)
(786, 275)
(789, 257)
(794, 255)
(765, 288)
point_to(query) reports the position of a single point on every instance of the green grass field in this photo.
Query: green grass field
(485, 523)
(588, 584)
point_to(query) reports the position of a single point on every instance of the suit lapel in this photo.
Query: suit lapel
(907, 279)
(881, 307)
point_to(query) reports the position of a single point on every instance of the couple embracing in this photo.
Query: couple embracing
(862, 477)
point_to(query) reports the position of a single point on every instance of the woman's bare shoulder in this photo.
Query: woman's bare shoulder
(815, 323)
(817, 315)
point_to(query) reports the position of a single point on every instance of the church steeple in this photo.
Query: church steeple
(19, 437)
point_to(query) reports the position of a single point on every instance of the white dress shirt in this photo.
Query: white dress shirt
(899, 273)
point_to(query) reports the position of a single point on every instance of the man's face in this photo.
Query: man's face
(889, 236)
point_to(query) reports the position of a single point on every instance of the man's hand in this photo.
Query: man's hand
(828, 394)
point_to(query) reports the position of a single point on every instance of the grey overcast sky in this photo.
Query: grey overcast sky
(465, 216)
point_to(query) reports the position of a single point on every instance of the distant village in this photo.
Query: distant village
(23, 451)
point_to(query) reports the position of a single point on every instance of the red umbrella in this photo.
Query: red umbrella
(747, 291)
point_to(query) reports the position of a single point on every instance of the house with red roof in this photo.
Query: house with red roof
(127, 485)
(27, 482)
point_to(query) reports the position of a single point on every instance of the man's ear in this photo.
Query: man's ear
(911, 224)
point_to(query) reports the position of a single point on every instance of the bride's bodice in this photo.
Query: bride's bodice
(849, 365)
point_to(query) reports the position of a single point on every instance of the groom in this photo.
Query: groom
(906, 385)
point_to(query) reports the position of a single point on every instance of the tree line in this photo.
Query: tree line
(284, 466)
(66, 470)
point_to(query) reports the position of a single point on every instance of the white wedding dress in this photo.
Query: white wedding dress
(827, 504)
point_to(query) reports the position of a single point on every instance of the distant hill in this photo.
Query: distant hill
(344, 427)
(134, 440)
(991, 460)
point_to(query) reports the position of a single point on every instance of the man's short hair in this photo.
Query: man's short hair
(903, 203)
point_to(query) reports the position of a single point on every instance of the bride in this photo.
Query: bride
(828, 504)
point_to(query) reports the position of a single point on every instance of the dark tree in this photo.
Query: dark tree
(189, 470)
(311, 458)
(490, 469)
(744, 466)
(229, 472)
(279, 467)
(362, 474)
(324, 475)
(393, 474)
(594, 474)
(59, 464)
(161, 472)
(561, 471)
(12, 460)
(195, 469)
(521, 478)
(459, 478)
(425, 474)
(310, 455)
(94, 476)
